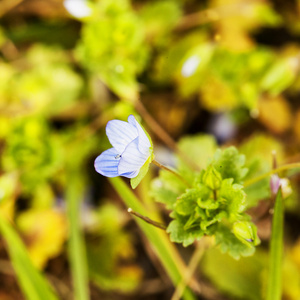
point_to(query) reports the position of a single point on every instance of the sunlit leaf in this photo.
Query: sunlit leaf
(47, 232)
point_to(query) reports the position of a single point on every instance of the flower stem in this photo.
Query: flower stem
(277, 170)
(171, 171)
(148, 220)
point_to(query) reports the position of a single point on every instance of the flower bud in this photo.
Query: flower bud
(246, 232)
(212, 178)
(274, 184)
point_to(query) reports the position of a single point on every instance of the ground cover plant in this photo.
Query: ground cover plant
(149, 149)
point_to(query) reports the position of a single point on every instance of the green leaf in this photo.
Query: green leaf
(257, 191)
(77, 251)
(279, 77)
(237, 278)
(187, 202)
(274, 289)
(208, 204)
(199, 148)
(32, 283)
(216, 218)
(189, 81)
(234, 196)
(179, 235)
(166, 188)
(230, 164)
(159, 18)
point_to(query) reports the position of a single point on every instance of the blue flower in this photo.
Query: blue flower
(131, 149)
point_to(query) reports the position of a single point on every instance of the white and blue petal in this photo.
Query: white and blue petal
(131, 174)
(144, 143)
(132, 159)
(107, 163)
(120, 134)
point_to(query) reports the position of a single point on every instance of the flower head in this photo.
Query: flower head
(132, 149)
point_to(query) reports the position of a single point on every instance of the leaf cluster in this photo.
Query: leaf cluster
(212, 206)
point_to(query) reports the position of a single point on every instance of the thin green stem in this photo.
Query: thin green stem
(171, 171)
(277, 170)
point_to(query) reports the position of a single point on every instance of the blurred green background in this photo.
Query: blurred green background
(228, 68)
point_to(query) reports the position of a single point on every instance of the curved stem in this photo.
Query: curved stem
(162, 134)
(277, 170)
(171, 171)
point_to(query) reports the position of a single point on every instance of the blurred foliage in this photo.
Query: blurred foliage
(63, 76)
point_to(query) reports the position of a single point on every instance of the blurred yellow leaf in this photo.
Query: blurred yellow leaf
(237, 18)
(291, 273)
(7, 209)
(232, 32)
(46, 231)
(216, 95)
(275, 113)
(295, 254)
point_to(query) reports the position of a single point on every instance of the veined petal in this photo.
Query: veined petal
(107, 163)
(131, 174)
(144, 143)
(120, 134)
(132, 159)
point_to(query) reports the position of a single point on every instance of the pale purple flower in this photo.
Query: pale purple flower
(131, 149)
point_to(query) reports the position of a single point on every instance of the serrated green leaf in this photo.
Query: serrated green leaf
(208, 204)
(185, 206)
(235, 197)
(230, 164)
(186, 203)
(204, 224)
(179, 235)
